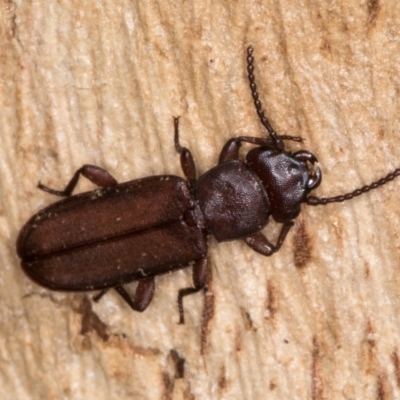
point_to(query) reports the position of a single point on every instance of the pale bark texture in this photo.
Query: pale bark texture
(98, 82)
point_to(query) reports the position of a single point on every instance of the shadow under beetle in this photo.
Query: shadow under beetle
(137, 230)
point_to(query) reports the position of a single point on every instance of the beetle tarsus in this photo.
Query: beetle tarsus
(293, 138)
(99, 295)
(46, 189)
(259, 243)
(183, 293)
(187, 162)
(200, 277)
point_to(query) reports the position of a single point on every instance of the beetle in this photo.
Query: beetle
(137, 230)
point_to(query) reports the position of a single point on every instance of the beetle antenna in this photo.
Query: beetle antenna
(253, 87)
(316, 201)
(277, 139)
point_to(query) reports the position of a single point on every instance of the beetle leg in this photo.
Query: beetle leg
(200, 276)
(187, 161)
(230, 151)
(259, 243)
(98, 296)
(293, 138)
(97, 175)
(143, 296)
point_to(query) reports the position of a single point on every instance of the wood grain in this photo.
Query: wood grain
(99, 82)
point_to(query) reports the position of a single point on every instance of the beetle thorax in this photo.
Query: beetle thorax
(232, 200)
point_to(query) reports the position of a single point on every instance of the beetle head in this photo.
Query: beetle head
(286, 177)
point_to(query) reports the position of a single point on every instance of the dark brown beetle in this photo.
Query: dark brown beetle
(137, 230)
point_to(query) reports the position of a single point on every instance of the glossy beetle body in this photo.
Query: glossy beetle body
(112, 236)
(137, 230)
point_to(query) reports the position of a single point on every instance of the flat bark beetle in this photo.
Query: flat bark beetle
(136, 230)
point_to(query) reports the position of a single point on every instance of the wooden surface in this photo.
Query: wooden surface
(98, 82)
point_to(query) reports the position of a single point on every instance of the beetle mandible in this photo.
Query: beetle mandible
(112, 236)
